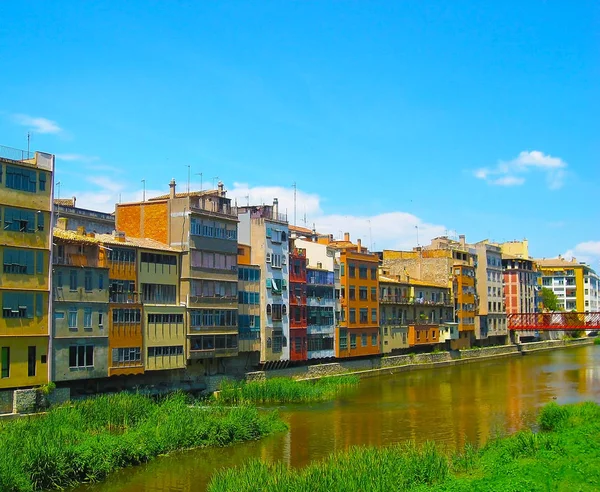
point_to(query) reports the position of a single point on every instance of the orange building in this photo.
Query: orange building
(358, 330)
(423, 334)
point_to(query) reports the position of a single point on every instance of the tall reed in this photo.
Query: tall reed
(90, 439)
(284, 390)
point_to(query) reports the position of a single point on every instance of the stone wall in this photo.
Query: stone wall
(6, 401)
(256, 376)
(550, 344)
(319, 370)
(488, 352)
(34, 400)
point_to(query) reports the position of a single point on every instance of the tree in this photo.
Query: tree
(549, 299)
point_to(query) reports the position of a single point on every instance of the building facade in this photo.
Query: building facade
(26, 188)
(249, 284)
(266, 231)
(298, 303)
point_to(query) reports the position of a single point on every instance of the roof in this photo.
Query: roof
(302, 230)
(144, 243)
(411, 281)
(65, 202)
(558, 263)
(185, 194)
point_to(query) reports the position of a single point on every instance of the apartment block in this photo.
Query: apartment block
(298, 303)
(26, 188)
(266, 231)
(322, 296)
(521, 279)
(249, 284)
(357, 333)
(73, 217)
(444, 262)
(202, 225)
(490, 322)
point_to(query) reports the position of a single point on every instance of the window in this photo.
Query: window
(249, 274)
(59, 315)
(364, 339)
(201, 318)
(276, 261)
(373, 293)
(42, 181)
(343, 340)
(298, 344)
(18, 261)
(39, 305)
(17, 304)
(159, 293)
(124, 355)
(126, 316)
(165, 351)
(364, 315)
(362, 293)
(31, 360)
(18, 178)
(374, 339)
(100, 281)
(362, 272)
(277, 343)
(73, 318)
(352, 271)
(39, 262)
(59, 279)
(19, 220)
(342, 269)
(352, 341)
(100, 319)
(352, 315)
(81, 356)
(40, 221)
(73, 280)
(373, 315)
(352, 293)
(87, 280)
(5, 362)
(87, 318)
(278, 312)
(373, 273)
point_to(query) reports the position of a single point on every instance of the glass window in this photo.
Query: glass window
(18, 178)
(73, 318)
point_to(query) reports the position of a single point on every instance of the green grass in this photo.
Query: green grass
(88, 440)
(284, 390)
(597, 341)
(563, 455)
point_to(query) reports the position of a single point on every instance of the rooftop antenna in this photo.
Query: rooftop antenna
(247, 197)
(304, 217)
(144, 190)
(119, 198)
(295, 188)
(370, 236)
(200, 174)
(28, 140)
(417, 228)
(189, 176)
(57, 185)
(214, 179)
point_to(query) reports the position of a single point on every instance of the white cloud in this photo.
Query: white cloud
(37, 124)
(512, 173)
(587, 251)
(77, 158)
(392, 230)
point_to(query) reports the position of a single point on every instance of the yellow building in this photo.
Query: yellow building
(26, 180)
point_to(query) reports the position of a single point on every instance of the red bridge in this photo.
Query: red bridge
(554, 321)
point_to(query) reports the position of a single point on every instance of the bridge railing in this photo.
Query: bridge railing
(554, 321)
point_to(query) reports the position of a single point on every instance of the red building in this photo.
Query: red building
(298, 319)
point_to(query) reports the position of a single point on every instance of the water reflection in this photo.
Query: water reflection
(451, 405)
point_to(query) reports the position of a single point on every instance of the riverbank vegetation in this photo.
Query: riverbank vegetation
(284, 390)
(87, 440)
(560, 454)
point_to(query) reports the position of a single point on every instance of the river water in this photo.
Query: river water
(450, 405)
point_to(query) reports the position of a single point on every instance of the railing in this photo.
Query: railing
(413, 300)
(301, 278)
(123, 297)
(78, 260)
(298, 300)
(320, 301)
(15, 154)
(299, 252)
(554, 321)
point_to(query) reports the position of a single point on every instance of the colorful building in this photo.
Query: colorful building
(203, 226)
(298, 303)
(520, 277)
(80, 291)
(322, 294)
(26, 188)
(74, 217)
(265, 230)
(249, 302)
(358, 331)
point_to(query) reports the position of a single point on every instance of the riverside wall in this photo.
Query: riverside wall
(372, 367)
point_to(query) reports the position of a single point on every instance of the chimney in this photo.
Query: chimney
(275, 209)
(221, 188)
(359, 245)
(461, 239)
(81, 231)
(74, 200)
(61, 223)
(119, 236)
(347, 236)
(172, 188)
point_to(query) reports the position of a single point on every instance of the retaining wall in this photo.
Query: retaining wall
(552, 344)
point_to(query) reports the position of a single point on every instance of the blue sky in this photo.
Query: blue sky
(474, 117)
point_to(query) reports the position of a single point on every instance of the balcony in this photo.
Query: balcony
(297, 300)
(123, 297)
(211, 353)
(320, 301)
(78, 260)
(392, 299)
(320, 329)
(299, 277)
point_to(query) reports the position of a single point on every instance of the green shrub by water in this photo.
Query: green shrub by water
(284, 390)
(563, 455)
(597, 341)
(90, 439)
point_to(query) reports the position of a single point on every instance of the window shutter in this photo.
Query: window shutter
(115, 355)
